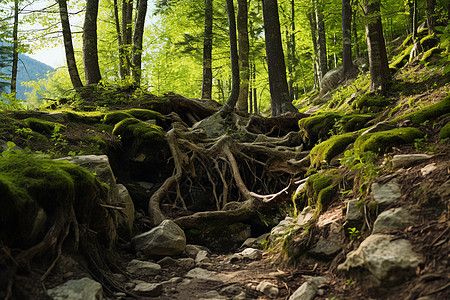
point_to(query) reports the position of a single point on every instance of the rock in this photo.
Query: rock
(388, 261)
(175, 280)
(255, 242)
(213, 295)
(353, 215)
(202, 274)
(325, 249)
(381, 126)
(167, 262)
(192, 250)
(148, 289)
(231, 290)
(406, 160)
(202, 257)
(186, 263)
(81, 289)
(252, 254)
(241, 296)
(165, 239)
(395, 218)
(144, 268)
(331, 79)
(268, 289)
(386, 193)
(305, 216)
(125, 218)
(428, 169)
(285, 226)
(309, 289)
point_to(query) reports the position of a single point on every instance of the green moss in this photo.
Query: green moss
(428, 113)
(328, 149)
(394, 110)
(445, 132)
(354, 122)
(402, 59)
(321, 188)
(378, 142)
(78, 117)
(133, 128)
(145, 114)
(430, 53)
(325, 196)
(371, 100)
(42, 126)
(116, 116)
(317, 126)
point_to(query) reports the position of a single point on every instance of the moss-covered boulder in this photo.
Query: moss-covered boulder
(372, 101)
(428, 113)
(43, 126)
(445, 132)
(141, 114)
(354, 122)
(321, 188)
(378, 142)
(317, 126)
(325, 151)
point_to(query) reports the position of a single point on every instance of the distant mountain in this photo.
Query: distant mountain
(28, 69)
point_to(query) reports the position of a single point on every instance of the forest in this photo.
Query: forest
(249, 149)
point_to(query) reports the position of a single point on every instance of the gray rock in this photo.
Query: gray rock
(202, 257)
(144, 268)
(202, 274)
(175, 280)
(192, 250)
(252, 254)
(148, 289)
(125, 218)
(309, 289)
(381, 126)
(268, 289)
(165, 239)
(231, 290)
(255, 242)
(305, 216)
(386, 193)
(81, 289)
(167, 262)
(186, 263)
(353, 212)
(241, 296)
(387, 260)
(428, 169)
(395, 218)
(285, 226)
(331, 79)
(325, 249)
(406, 160)
(213, 295)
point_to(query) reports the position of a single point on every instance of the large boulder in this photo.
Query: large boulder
(81, 289)
(167, 239)
(382, 261)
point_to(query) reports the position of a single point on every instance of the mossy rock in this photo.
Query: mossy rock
(132, 128)
(321, 188)
(428, 113)
(328, 149)
(77, 117)
(116, 116)
(42, 126)
(141, 114)
(445, 132)
(378, 142)
(355, 122)
(371, 100)
(317, 126)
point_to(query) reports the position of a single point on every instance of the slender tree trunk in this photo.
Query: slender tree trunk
(207, 51)
(234, 95)
(127, 33)
(137, 41)
(279, 91)
(90, 53)
(380, 75)
(68, 46)
(292, 56)
(312, 22)
(321, 40)
(119, 40)
(431, 18)
(244, 49)
(347, 63)
(355, 29)
(15, 52)
(255, 94)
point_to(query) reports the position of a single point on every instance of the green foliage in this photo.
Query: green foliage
(42, 126)
(354, 234)
(428, 113)
(378, 142)
(444, 133)
(325, 151)
(371, 100)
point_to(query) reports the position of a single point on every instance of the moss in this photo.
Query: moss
(378, 142)
(428, 41)
(116, 116)
(371, 100)
(354, 122)
(79, 117)
(445, 132)
(402, 59)
(325, 196)
(133, 128)
(321, 188)
(317, 126)
(427, 55)
(394, 110)
(42, 126)
(145, 114)
(328, 149)
(428, 113)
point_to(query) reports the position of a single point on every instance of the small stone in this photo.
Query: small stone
(267, 289)
(252, 254)
(353, 214)
(144, 268)
(202, 257)
(428, 169)
(186, 282)
(305, 216)
(325, 249)
(387, 193)
(203, 274)
(396, 218)
(231, 290)
(167, 262)
(192, 250)
(148, 289)
(406, 160)
(213, 295)
(309, 289)
(241, 296)
(175, 280)
(186, 263)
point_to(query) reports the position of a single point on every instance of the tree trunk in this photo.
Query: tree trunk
(321, 40)
(312, 22)
(234, 95)
(207, 51)
(137, 41)
(347, 63)
(119, 40)
(15, 52)
(292, 58)
(355, 30)
(127, 32)
(244, 49)
(380, 75)
(90, 53)
(431, 17)
(279, 91)
(68, 46)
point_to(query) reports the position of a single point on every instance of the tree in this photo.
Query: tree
(431, 18)
(279, 91)
(127, 33)
(378, 63)
(207, 51)
(347, 64)
(68, 46)
(244, 51)
(321, 40)
(119, 41)
(90, 53)
(15, 49)
(137, 41)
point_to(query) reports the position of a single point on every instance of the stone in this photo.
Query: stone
(167, 262)
(241, 296)
(252, 254)
(395, 218)
(231, 290)
(186, 263)
(353, 214)
(428, 169)
(125, 218)
(268, 289)
(175, 280)
(386, 193)
(202, 274)
(287, 225)
(309, 289)
(331, 79)
(148, 289)
(305, 216)
(325, 249)
(80, 289)
(388, 261)
(166, 239)
(192, 250)
(407, 160)
(213, 295)
(256, 243)
(144, 268)
(202, 257)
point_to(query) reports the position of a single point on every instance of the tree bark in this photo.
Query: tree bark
(431, 18)
(90, 53)
(244, 49)
(207, 51)
(137, 41)
(312, 22)
(119, 40)
(292, 57)
(355, 30)
(127, 33)
(234, 95)
(347, 64)
(68, 46)
(321, 41)
(15, 52)
(279, 91)
(380, 75)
